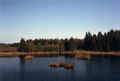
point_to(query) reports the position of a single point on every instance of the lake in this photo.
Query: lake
(100, 68)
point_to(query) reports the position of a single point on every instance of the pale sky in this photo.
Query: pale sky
(31, 19)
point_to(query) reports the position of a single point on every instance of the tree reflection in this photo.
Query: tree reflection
(69, 59)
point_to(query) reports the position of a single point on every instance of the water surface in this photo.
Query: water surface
(100, 68)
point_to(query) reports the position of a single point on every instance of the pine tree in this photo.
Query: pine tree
(22, 45)
(87, 41)
(66, 45)
(71, 44)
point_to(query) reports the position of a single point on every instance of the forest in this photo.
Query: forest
(109, 41)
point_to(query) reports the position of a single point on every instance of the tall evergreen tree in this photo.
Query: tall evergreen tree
(66, 45)
(22, 45)
(93, 43)
(71, 44)
(87, 41)
(100, 41)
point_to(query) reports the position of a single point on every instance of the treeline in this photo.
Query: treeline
(49, 45)
(109, 41)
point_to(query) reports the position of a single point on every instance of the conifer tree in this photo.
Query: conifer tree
(66, 45)
(71, 44)
(22, 45)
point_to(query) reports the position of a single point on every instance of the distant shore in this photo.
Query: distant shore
(17, 54)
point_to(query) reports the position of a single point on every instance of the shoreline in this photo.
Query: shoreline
(17, 54)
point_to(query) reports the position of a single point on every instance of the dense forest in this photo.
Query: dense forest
(110, 41)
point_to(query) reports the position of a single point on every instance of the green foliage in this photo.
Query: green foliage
(14, 45)
(62, 47)
(22, 45)
(110, 41)
(106, 42)
(66, 44)
(71, 44)
(87, 41)
(78, 43)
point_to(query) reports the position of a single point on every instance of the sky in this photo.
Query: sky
(34, 19)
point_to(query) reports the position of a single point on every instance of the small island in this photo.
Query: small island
(57, 64)
(28, 57)
(60, 64)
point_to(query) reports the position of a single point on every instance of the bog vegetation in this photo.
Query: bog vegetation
(110, 41)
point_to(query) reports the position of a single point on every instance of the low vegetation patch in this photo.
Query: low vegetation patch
(60, 64)
(83, 58)
(28, 57)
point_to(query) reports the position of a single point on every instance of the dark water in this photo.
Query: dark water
(98, 69)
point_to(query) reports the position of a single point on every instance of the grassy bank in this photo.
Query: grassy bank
(16, 54)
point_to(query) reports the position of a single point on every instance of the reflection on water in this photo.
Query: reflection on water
(100, 68)
(22, 64)
(69, 59)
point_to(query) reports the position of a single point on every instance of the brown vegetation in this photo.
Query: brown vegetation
(69, 66)
(58, 64)
(17, 54)
(8, 49)
(28, 57)
(83, 57)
